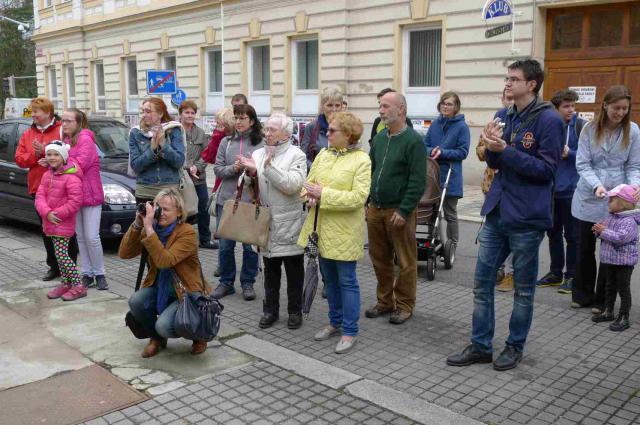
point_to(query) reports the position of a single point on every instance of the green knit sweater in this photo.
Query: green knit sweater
(399, 171)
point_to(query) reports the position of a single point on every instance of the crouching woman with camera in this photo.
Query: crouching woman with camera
(172, 246)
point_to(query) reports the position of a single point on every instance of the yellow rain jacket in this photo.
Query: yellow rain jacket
(345, 176)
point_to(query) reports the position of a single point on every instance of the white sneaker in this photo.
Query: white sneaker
(325, 334)
(345, 345)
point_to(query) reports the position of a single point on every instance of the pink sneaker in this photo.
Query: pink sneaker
(58, 291)
(76, 291)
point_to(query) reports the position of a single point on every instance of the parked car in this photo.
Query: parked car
(112, 139)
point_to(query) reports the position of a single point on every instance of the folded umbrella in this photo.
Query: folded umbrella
(311, 271)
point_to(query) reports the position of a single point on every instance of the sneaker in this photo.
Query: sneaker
(606, 316)
(75, 292)
(326, 333)
(101, 283)
(469, 356)
(87, 281)
(58, 291)
(549, 279)
(222, 291)
(506, 284)
(620, 324)
(344, 345)
(248, 293)
(377, 311)
(566, 287)
(508, 359)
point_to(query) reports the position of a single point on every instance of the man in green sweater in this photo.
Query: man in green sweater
(398, 164)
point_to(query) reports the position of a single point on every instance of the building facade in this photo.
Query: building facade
(95, 54)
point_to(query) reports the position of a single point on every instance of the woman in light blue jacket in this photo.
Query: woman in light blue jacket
(608, 155)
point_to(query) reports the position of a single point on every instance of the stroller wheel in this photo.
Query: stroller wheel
(431, 268)
(449, 254)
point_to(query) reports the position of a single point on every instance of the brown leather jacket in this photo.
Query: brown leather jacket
(181, 254)
(489, 173)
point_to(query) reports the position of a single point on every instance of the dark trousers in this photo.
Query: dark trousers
(564, 224)
(588, 290)
(618, 282)
(294, 268)
(204, 219)
(51, 253)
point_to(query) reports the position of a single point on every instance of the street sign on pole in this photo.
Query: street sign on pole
(500, 29)
(161, 82)
(178, 97)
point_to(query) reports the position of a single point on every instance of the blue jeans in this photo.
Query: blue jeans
(562, 219)
(496, 241)
(204, 219)
(143, 307)
(227, 262)
(343, 294)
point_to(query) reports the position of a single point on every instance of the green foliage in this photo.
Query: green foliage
(17, 54)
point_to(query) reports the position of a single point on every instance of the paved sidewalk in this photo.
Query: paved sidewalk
(574, 371)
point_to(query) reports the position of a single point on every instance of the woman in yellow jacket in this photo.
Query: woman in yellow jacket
(338, 184)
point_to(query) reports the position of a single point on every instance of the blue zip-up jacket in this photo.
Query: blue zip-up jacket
(163, 167)
(567, 176)
(453, 138)
(523, 187)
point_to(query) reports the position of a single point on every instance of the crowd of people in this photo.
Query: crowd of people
(547, 171)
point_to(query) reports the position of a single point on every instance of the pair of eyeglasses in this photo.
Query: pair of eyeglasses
(333, 130)
(512, 80)
(241, 118)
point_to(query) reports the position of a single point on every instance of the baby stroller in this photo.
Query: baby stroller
(429, 236)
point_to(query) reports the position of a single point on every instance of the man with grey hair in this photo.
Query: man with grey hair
(398, 164)
(281, 170)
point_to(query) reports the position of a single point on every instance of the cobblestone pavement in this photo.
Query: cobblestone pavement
(573, 372)
(256, 394)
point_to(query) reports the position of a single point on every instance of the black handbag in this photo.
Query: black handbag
(132, 323)
(198, 316)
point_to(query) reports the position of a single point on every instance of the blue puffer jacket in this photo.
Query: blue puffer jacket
(452, 136)
(567, 175)
(523, 187)
(162, 167)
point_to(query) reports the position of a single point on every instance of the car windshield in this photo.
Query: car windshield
(112, 138)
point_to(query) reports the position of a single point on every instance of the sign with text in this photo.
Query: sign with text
(161, 81)
(586, 94)
(501, 29)
(496, 9)
(589, 116)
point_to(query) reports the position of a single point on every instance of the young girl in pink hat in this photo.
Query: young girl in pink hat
(619, 251)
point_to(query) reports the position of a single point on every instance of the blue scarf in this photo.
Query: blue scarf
(324, 125)
(163, 280)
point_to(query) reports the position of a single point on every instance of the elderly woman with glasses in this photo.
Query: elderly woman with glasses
(228, 168)
(447, 141)
(338, 184)
(280, 168)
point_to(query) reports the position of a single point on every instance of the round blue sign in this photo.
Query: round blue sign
(178, 97)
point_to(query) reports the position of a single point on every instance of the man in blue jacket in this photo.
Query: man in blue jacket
(566, 181)
(524, 144)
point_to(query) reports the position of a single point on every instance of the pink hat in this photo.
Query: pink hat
(624, 191)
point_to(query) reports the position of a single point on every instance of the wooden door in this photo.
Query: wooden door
(595, 46)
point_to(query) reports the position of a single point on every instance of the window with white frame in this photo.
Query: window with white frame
(168, 63)
(422, 52)
(305, 72)
(70, 86)
(213, 80)
(99, 98)
(52, 85)
(259, 77)
(132, 101)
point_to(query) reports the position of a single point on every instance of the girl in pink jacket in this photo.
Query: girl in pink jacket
(58, 200)
(84, 153)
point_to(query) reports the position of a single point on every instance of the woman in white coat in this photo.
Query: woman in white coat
(281, 169)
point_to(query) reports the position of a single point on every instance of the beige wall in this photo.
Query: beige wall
(360, 47)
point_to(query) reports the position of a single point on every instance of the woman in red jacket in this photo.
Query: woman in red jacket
(30, 154)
